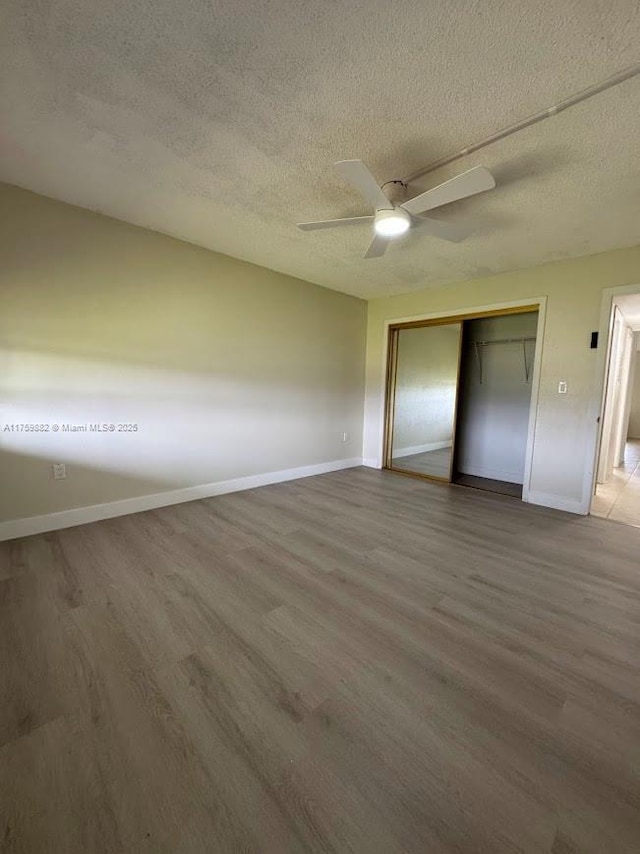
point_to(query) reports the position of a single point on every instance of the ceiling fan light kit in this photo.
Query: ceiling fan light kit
(391, 220)
(391, 223)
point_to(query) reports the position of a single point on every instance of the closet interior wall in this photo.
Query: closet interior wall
(496, 371)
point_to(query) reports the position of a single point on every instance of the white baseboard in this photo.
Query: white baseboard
(82, 515)
(420, 449)
(557, 502)
(491, 473)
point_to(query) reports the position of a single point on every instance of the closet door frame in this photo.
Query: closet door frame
(391, 373)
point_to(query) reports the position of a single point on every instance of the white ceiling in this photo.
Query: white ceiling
(218, 122)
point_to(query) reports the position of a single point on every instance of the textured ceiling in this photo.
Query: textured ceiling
(218, 122)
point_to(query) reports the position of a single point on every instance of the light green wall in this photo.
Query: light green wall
(566, 425)
(229, 369)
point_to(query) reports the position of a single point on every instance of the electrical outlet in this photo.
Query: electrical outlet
(345, 437)
(562, 387)
(59, 471)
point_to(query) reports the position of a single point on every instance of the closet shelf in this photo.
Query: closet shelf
(478, 345)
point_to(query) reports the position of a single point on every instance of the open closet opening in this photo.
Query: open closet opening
(459, 397)
(492, 426)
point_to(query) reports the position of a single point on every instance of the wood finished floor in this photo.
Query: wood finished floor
(356, 662)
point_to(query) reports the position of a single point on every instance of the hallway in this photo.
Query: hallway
(619, 498)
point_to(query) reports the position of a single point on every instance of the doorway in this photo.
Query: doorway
(459, 398)
(617, 488)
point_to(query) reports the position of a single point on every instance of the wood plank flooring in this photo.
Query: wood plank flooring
(355, 662)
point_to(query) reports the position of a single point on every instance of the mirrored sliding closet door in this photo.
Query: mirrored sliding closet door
(422, 411)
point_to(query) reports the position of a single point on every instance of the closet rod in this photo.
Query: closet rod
(503, 341)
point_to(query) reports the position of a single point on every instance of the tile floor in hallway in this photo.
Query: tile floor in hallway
(619, 498)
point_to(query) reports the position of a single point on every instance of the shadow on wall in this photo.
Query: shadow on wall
(216, 369)
(130, 431)
(33, 481)
(121, 294)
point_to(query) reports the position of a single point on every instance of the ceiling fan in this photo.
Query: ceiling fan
(393, 217)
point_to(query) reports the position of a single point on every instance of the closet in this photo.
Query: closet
(458, 398)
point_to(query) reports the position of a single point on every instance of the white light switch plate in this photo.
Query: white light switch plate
(562, 387)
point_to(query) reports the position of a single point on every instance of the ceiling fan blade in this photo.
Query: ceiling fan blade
(330, 223)
(476, 180)
(355, 172)
(443, 230)
(377, 248)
